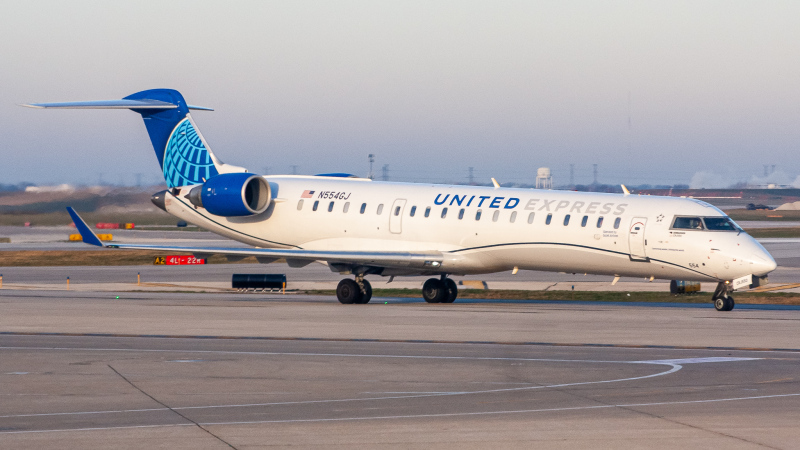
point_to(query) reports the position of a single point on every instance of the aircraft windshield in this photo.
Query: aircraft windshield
(688, 223)
(720, 224)
(705, 223)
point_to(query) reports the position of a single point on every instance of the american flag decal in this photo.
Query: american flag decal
(307, 194)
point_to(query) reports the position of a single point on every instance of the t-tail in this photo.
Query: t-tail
(183, 154)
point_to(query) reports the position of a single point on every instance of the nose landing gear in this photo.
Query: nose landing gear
(722, 300)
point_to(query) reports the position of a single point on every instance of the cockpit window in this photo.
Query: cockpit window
(705, 223)
(720, 224)
(688, 223)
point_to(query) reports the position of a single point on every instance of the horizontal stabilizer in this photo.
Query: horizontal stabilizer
(114, 104)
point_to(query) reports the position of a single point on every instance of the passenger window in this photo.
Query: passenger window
(330, 207)
(530, 218)
(316, 204)
(688, 223)
(444, 212)
(513, 217)
(617, 222)
(584, 221)
(346, 207)
(599, 221)
(566, 220)
(300, 205)
(495, 216)
(427, 211)
(380, 209)
(478, 215)
(363, 208)
(548, 219)
(397, 211)
(413, 211)
(461, 214)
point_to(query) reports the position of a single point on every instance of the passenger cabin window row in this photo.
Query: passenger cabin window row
(696, 223)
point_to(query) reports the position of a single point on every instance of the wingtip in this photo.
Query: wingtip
(86, 233)
(30, 105)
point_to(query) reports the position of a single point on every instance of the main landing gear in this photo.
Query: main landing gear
(354, 291)
(359, 291)
(443, 290)
(723, 301)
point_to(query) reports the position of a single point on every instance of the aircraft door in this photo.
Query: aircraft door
(396, 216)
(636, 240)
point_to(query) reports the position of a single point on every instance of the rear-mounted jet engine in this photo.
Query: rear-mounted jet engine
(232, 194)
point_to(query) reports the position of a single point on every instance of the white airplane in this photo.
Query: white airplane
(361, 227)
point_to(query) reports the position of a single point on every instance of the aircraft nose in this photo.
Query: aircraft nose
(763, 263)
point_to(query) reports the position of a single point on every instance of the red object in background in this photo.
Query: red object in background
(174, 260)
(27, 224)
(107, 226)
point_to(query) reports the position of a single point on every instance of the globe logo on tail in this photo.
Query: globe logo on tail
(186, 159)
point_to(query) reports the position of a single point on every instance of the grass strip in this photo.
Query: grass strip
(761, 298)
(788, 232)
(110, 257)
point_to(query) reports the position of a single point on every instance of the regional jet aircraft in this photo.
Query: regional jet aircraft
(361, 227)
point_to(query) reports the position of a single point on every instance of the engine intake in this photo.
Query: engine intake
(232, 194)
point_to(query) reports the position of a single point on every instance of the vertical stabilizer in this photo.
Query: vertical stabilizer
(184, 156)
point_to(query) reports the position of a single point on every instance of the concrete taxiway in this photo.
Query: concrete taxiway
(176, 370)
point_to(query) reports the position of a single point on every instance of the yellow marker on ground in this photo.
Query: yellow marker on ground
(102, 237)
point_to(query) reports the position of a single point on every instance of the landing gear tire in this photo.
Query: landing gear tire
(434, 291)
(452, 291)
(348, 292)
(366, 295)
(724, 303)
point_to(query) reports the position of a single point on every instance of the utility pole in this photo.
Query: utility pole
(138, 180)
(595, 173)
(572, 175)
(371, 175)
(471, 177)
(385, 172)
(294, 170)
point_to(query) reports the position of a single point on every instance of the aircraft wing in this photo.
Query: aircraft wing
(295, 257)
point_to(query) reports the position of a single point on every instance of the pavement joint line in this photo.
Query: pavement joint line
(417, 416)
(399, 341)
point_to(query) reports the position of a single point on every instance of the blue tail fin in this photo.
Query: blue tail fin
(183, 154)
(181, 150)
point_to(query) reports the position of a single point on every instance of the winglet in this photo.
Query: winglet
(86, 233)
(625, 190)
(495, 183)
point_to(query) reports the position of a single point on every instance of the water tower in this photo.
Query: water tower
(544, 180)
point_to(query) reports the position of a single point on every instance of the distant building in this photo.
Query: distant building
(544, 179)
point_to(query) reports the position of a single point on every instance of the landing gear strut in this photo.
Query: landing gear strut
(354, 291)
(443, 290)
(723, 301)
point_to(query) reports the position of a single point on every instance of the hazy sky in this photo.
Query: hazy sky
(653, 92)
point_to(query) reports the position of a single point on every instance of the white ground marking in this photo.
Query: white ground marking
(675, 366)
(712, 359)
(417, 416)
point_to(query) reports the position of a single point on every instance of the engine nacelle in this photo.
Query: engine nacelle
(232, 194)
